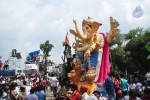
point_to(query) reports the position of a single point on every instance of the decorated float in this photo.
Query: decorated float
(91, 63)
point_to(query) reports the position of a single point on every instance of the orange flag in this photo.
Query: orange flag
(67, 39)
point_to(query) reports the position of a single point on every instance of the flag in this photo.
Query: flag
(67, 39)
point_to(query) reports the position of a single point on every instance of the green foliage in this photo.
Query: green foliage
(128, 50)
(65, 44)
(46, 48)
(148, 49)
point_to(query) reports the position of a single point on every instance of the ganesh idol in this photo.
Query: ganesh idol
(92, 51)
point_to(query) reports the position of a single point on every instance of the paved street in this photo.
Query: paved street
(49, 95)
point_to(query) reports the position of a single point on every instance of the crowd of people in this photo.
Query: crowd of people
(21, 87)
(115, 87)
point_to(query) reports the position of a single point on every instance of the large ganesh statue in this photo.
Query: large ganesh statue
(92, 53)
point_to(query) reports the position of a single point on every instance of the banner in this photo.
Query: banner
(31, 66)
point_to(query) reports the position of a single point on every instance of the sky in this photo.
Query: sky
(25, 24)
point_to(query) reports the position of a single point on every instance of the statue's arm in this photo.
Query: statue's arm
(78, 40)
(113, 30)
(78, 33)
(99, 42)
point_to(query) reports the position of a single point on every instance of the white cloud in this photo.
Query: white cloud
(25, 24)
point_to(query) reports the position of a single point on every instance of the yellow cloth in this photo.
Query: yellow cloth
(21, 96)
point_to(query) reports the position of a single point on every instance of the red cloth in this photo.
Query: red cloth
(1, 64)
(43, 83)
(34, 84)
(75, 95)
(67, 40)
(105, 63)
(118, 84)
(84, 87)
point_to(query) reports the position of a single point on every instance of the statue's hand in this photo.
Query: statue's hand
(74, 21)
(113, 23)
(114, 32)
(87, 54)
(72, 32)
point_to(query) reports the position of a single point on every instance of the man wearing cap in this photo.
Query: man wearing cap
(84, 93)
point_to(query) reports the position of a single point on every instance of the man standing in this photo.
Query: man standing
(75, 94)
(124, 85)
(39, 94)
(53, 80)
(109, 85)
(84, 93)
(31, 96)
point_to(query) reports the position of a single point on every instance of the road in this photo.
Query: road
(49, 95)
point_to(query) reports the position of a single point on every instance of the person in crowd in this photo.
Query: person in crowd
(39, 94)
(27, 79)
(13, 93)
(75, 93)
(62, 90)
(131, 96)
(53, 80)
(146, 95)
(109, 85)
(3, 95)
(69, 58)
(132, 85)
(43, 90)
(18, 81)
(34, 83)
(92, 96)
(21, 95)
(117, 84)
(148, 75)
(27, 89)
(17, 88)
(84, 94)
(138, 87)
(99, 95)
(124, 85)
(146, 86)
(63, 93)
(6, 65)
(31, 96)
(43, 82)
(7, 90)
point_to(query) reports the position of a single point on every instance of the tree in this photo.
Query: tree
(148, 48)
(118, 55)
(128, 50)
(46, 48)
(136, 47)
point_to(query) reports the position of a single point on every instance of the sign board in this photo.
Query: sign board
(31, 66)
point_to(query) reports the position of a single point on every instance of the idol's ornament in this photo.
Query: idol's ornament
(92, 53)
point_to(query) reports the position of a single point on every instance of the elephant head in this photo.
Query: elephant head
(90, 26)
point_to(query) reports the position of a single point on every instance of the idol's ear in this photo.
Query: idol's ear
(96, 25)
(84, 22)
(89, 17)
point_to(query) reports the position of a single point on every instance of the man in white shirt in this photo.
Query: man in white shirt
(53, 81)
(84, 93)
(18, 81)
(148, 76)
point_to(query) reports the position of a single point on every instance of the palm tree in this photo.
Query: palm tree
(46, 48)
